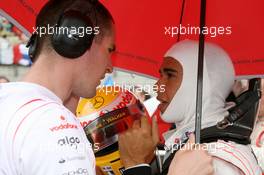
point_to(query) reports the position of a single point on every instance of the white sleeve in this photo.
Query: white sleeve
(222, 167)
(234, 159)
(53, 143)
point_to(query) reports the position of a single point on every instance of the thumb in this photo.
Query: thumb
(191, 139)
(190, 144)
(136, 124)
(155, 130)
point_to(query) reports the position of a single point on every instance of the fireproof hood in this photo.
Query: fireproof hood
(218, 80)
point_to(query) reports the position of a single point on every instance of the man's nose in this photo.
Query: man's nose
(160, 85)
(157, 85)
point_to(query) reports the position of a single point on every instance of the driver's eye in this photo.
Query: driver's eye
(112, 49)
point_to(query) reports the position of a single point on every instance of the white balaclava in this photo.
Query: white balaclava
(218, 80)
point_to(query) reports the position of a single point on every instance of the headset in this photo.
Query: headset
(68, 44)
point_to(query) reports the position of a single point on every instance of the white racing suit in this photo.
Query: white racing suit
(232, 158)
(229, 158)
(257, 142)
(218, 79)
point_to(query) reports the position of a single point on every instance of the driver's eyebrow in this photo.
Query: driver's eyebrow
(170, 70)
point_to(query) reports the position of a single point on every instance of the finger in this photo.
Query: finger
(145, 123)
(121, 137)
(136, 124)
(121, 140)
(155, 130)
(129, 130)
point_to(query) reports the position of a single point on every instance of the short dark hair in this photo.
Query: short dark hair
(53, 9)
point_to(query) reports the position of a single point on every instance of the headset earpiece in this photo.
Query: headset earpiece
(70, 38)
(32, 44)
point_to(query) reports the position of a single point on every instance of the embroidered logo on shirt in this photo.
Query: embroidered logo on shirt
(64, 125)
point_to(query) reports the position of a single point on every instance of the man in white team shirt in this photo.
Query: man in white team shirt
(38, 135)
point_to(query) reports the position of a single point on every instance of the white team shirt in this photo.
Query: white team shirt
(39, 136)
